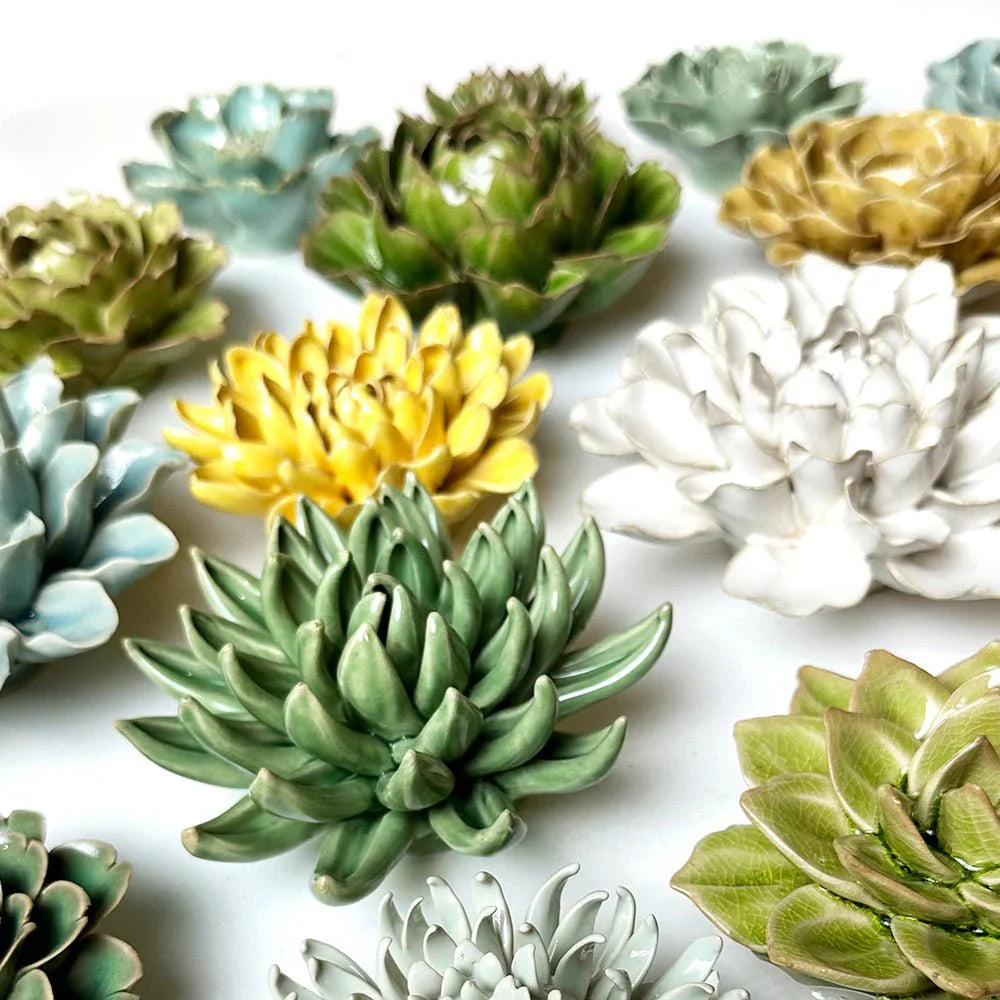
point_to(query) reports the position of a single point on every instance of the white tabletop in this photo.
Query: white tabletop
(80, 83)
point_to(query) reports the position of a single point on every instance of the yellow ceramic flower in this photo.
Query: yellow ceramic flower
(890, 188)
(337, 412)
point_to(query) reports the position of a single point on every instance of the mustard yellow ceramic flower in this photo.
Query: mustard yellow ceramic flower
(335, 413)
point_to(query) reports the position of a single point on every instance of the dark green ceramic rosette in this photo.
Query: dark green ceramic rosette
(53, 904)
(373, 690)
(506, 200)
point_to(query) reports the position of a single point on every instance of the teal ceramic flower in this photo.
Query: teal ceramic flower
(75, 527)
(246, 166)
(713, 108)
(968, 82)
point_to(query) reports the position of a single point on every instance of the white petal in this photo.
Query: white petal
(928, 304)
(596, 431)
(642, 501)
(919, 529)
(967, 566)
(816, 286)
(872, 295)
(743, 512)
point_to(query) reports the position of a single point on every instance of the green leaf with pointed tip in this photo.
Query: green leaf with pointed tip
(286, 595)
(481, 822)
(522, 542)
(343, 244)
(865, 752)
(336, 596)
(583, 561)
(444, 665)
(962, 963)
(418, 783)
(166, 742)
(781, 744)
(985, 903)
(230, 591)
(369, 611)
(975, 764)
(737, 877)
(314, 655)
(207, 634)
(246, 833)
(103, 968)
(179, 673)
(491, 569)
(460, 603)
(814, 932)
(355, 855)
(93, 866)
(504, 660)
(322, 531)
(986, 659)
(403, 638)
(819, 690)
(326, 797)
(408, 561)
(968, 827)
(516, 735)
(452, 729)
(899, 691)
(551, 613)
(257, 702)
(299, 551)
(569, 762)
(952, 734)
(907, 843)
(610, 665)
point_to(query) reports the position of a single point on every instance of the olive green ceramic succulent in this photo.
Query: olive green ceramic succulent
(508, 201)
(53, 903)
(112, 294)
(377, 691)
(873, 856)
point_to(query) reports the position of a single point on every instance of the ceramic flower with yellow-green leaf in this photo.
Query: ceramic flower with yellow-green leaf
(339, 411)
(872, 858)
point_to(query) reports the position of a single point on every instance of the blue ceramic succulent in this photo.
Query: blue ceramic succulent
(247, 166)
(968, 82)
(75, 527)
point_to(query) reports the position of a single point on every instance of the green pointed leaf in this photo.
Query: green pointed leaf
(343, 244)
(985, 903)
(551, 613)
(207, 634)
(962, 963)
(321, 530)
(418, 783)
(968, 828)
(460, 603)
(907, 843)
(515, 736)
(246, 833)
(983, 661)
(819, 690)
(444, 665)
(584, 564)
(504, 660)
(336, 596)
(781, 744)
(482, 823)
(952, 734)
(899, 691)
(409, 562)
(229, 590)
(324, 798)
(257, 702)
(452, 729)
(523, 544)
(300, 552)
(404, 638)
(975, 764)
(287, 597)
(490, 568)
(317, 666)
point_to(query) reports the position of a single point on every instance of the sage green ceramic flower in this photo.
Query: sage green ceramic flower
(112, 294)
(507, 201)
(373, 689)
(713, 108)
(246, 166)
(53, 904)
(873, 856)
(968, 82)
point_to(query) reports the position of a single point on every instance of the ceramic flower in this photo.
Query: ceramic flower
(714, 108)
(507, 201)
(895, 189)
(834, 426)
(54, 903)
(376, 690)
(341, 410)
(447, 948)
(247, 166)
(872, 858)
(968, 82)
(75, 527)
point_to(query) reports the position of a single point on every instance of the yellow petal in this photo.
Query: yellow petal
(214, 420)
(307, 354)
(246, 367)
(443, 326)
(536, 387)
(467, 433)
(503, 467)
(432, 470)
(230, 496)
(410, 417)
(249, 460)
(344, 346)
(491, 390)
(517, 354)
(434, 435)
(201, 449)
(355, 467)
(457, 506)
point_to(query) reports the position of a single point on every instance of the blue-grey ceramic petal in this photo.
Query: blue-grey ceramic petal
(968, 82)
(124, 550)
(68, 616)
(108, 413)
(22, 556)
(67, 486)
(31, 391)
(18, 490)
(128, 474)
(46, 431)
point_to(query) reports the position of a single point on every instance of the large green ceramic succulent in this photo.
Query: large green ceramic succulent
(507, 201)
(112, 294)
(53, 902)
(873, 856)
(373, 689)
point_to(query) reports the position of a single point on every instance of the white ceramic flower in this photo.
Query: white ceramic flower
(838, 427)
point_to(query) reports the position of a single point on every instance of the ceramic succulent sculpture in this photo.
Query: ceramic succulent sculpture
(834, 426)
(714, 108)
(75, 527)
(507, 201)
(345, 409)
(873, 856)
(895, 189)
(447, 948)
(112, 294)
(968, 82)
(371, 688)
(54, 903)
(247, 166)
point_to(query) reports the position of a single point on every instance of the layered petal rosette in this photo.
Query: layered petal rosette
(246, 166)
(444, 947)
(895, 189)
(968, 82)
(54, 903)
(112, 294)
(378, 691)
(507, 201)
(836, 427)
(341, 410)
(75, 527)
(713, 108)
(872, 858)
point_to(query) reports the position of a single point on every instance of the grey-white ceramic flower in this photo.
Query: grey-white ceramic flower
(449, 949)
(75, 527)
(838, 427)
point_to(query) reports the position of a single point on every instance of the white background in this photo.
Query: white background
(79, 83)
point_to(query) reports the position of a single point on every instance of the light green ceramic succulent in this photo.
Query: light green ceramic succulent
(713, 108)
(377, 691)
(872, 861)
(53, 903)
(507, 201)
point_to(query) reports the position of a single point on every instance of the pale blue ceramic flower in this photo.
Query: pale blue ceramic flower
(968, 82)
(247, 166)
(75, 527)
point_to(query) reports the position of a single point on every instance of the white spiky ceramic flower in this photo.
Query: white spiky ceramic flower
(449, 950)
(838, 427)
